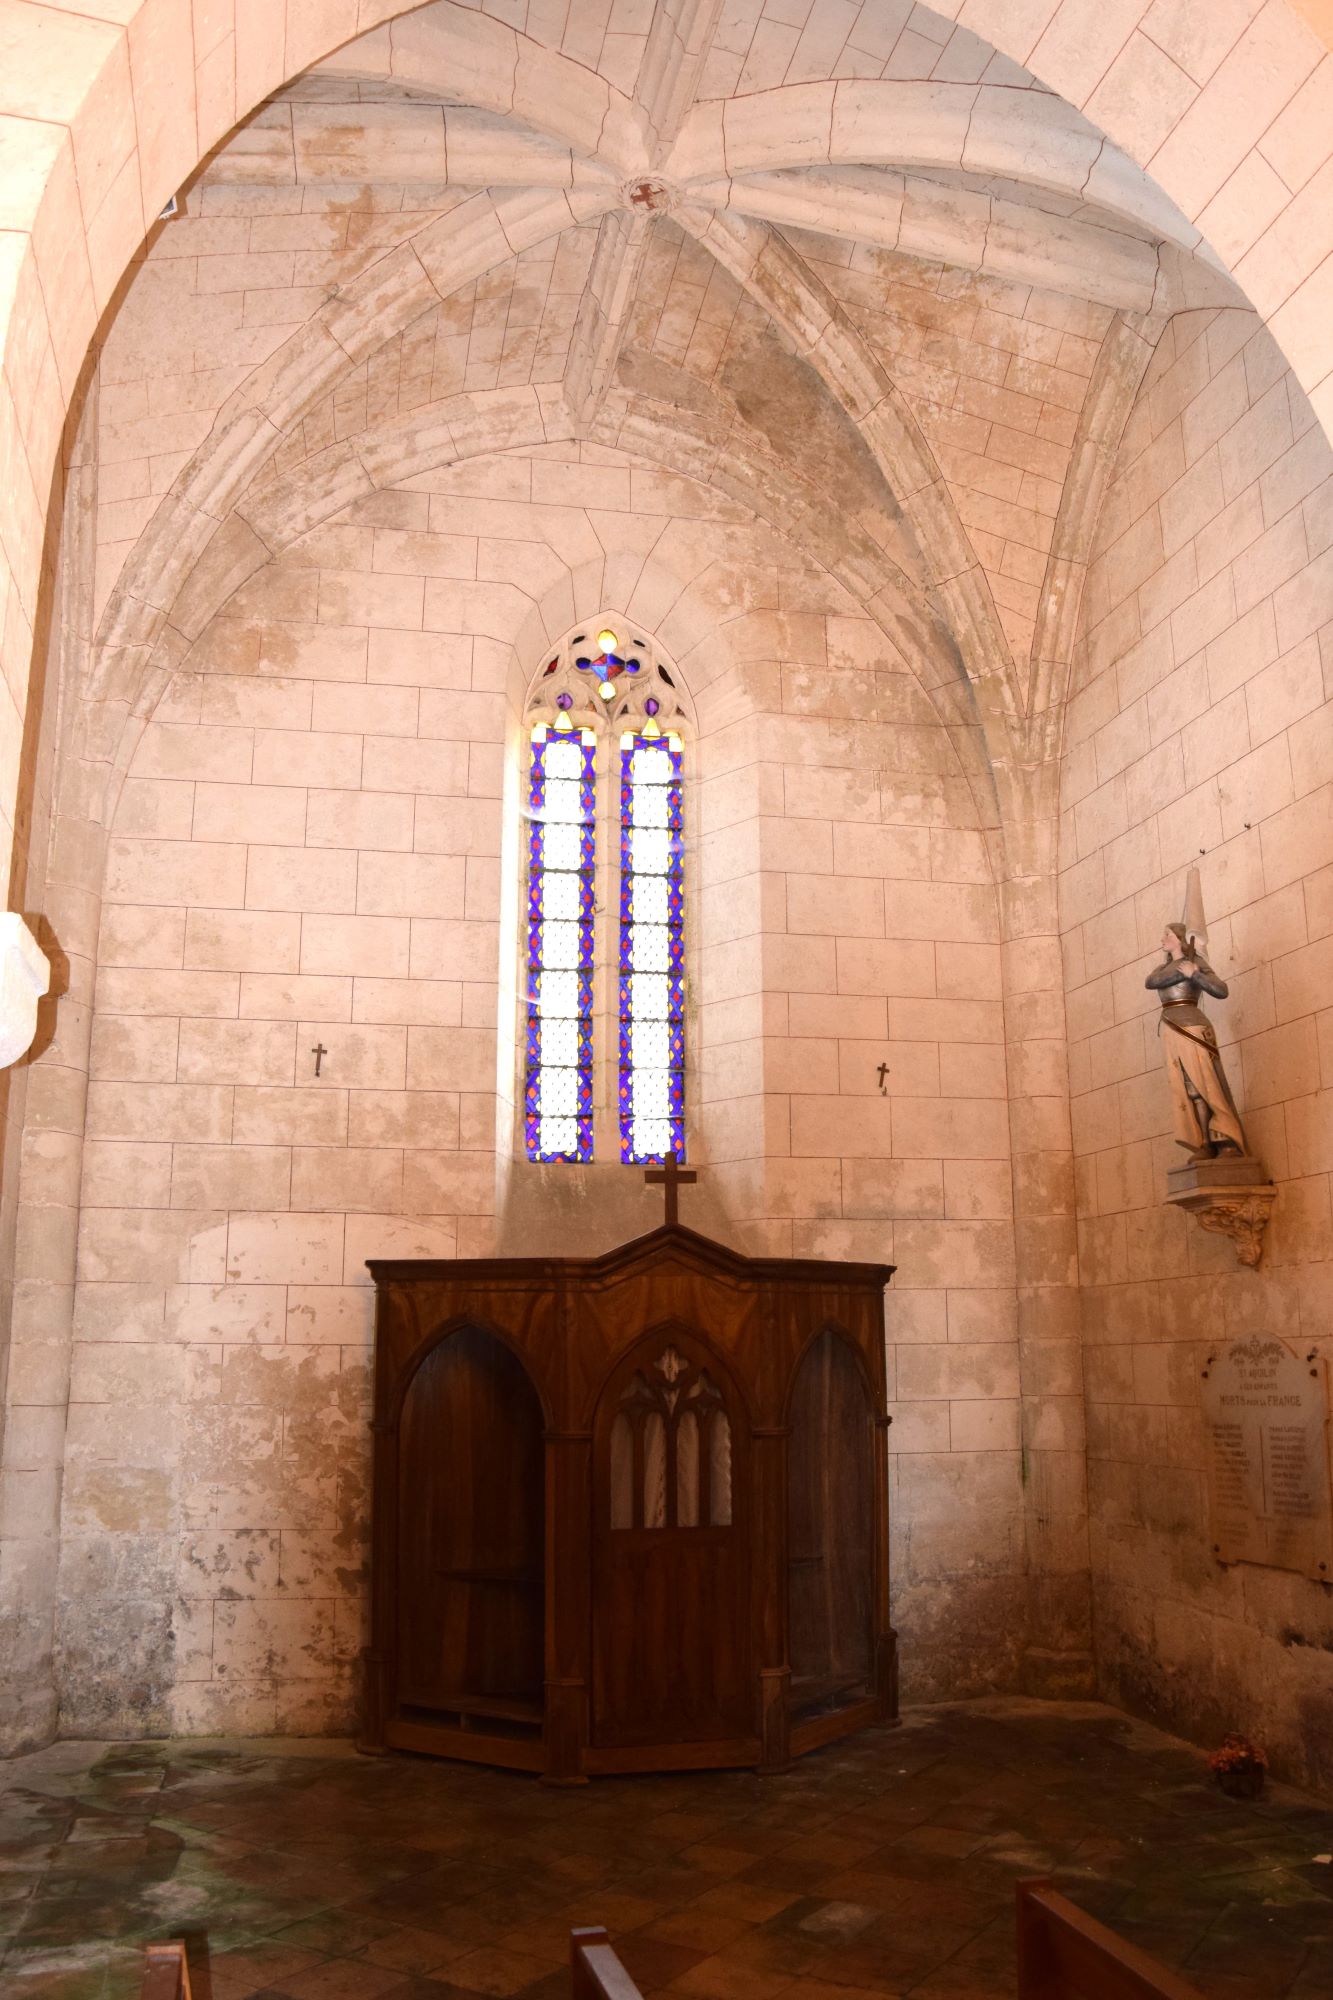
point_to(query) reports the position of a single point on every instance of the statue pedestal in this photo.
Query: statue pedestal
(1231, 1195)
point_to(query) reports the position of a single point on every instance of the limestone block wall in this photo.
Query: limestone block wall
(309, 848)
(879, 944)
(1200, 730)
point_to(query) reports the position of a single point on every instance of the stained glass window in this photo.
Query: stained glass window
(602, 686)
(652, 947)
(561, 858)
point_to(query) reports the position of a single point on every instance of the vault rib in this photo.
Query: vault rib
(608, 299)
(678, 43)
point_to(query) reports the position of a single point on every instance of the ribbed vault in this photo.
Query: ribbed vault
(514, 144)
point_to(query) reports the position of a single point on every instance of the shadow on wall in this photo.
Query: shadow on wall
(577, 1211)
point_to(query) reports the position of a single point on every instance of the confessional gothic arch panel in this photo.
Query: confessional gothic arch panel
(473, 1322)
(671, 1545)
(830, 1330)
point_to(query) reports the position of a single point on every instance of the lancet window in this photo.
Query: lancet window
(562, 836)
(605, 812)
(652, 949)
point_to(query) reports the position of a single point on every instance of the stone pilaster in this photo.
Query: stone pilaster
(1058, 1654)
(62, 897)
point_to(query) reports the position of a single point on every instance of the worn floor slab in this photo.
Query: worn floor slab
(881, 1867)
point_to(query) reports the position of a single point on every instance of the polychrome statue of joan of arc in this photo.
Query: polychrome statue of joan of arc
(1203, 1110)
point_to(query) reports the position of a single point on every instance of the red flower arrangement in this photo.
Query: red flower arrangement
(1239, 1767)
(1237, 1754)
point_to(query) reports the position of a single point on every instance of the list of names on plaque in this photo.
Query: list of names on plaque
(1265, 1408)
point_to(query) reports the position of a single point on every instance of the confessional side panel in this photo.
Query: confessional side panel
(831, 1539)
(471, 1531)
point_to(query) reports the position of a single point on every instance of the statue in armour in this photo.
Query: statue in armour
(1203, 1109)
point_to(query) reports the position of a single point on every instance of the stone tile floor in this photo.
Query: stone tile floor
(882, 1866)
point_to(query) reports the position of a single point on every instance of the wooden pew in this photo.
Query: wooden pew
(167, 1972)
(595, 1971)
(1064, 1954)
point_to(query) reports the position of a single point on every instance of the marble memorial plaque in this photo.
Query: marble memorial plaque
(1265, 1408)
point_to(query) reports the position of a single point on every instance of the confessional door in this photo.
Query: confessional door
(671, 1571)
(830, 1529)
(470, 1591)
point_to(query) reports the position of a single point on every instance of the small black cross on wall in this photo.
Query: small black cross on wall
(670, 1176)
(318, 1052)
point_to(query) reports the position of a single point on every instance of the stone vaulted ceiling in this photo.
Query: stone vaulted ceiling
(730, 237)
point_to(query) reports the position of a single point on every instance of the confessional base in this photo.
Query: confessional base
(468, 1741)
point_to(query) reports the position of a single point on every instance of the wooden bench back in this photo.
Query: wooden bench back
(1064, 1954)
(167, 1973)
(595, 1971)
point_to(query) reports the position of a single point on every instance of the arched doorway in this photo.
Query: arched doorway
(830, 1529)
(471, 1591)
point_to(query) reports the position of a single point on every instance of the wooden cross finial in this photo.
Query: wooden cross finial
(670, 1176)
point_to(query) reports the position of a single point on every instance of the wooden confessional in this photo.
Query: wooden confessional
(630, 1512)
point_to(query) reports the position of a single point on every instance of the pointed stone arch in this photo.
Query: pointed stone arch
(197, 534)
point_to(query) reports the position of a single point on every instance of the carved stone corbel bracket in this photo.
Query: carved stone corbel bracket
(1229, 1197)
(25, 975)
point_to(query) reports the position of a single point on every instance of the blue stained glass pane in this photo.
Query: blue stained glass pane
(651, 1139)
(563, 759)
(562, 1043)
(559, 1093)
(650, 1094)
(652, 951)
(654, 1044)
(566, 995)
(651, 805)
(557, 1138)
(560, 847)
(563, 803)
(649, 899)
(561, 896)
(650, 766)
(649, 850)
(648, 995)
(559, 946)
(561, 799)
